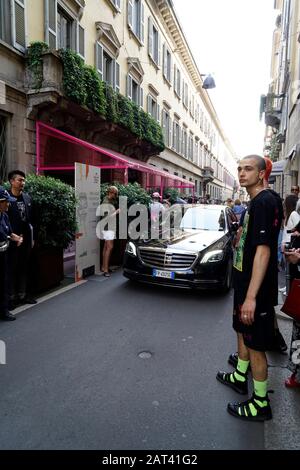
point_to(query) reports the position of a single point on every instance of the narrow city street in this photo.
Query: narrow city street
(115, 365)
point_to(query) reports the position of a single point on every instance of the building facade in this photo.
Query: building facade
(281, 105)
(139, 49)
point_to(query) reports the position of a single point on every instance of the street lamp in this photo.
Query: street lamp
(209, 82)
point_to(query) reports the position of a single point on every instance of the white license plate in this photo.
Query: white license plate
(164, 274)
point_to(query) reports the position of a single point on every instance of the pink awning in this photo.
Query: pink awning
(57, 150)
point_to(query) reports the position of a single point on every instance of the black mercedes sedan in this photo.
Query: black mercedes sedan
(197, 255)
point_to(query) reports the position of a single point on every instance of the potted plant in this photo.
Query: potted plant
(54, 205)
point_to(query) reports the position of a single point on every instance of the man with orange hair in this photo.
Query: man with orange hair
(279, 342)
(269, 166)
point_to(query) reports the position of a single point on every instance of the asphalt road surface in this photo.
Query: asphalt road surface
(116, 365)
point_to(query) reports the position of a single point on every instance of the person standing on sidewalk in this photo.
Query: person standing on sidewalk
(5, 235)
(111, 199)
(279, 342)
(20, 214)
(255, 292)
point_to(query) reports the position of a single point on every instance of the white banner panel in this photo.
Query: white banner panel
(87, 188)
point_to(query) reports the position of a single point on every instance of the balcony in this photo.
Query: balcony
(273, 109)
(208, 174)
(105, 118)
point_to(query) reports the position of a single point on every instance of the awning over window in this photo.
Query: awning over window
(278, 167)
(58, 151)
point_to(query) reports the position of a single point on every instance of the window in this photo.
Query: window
(191, 147)
(197, 113)
(201, 119)
(13, 32)
(3, 149)
(5, 26)
(184, 142)
(201, 156)
(166, 127)
(116, 4)
(185, 94)
(134, 91)
(107, 67)
(167, 63)
(81, 41)
(154, 45)
(176, 137)
(153, 107)
(192, 105)
(135, 18)
(196, 154)
(177, 81)
(64, 30)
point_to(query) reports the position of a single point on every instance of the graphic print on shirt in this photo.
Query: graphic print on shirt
(239, 251)
(22, 210)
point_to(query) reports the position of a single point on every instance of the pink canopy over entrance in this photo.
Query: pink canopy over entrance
(58, 151)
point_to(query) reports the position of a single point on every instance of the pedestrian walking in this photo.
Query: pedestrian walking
(255, 292)
(21, 217)
(6, 235)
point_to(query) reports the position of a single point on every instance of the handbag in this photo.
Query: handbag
(291, 305)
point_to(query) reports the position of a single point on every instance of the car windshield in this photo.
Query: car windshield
(200, 218)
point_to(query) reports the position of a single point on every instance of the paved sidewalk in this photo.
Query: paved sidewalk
(283, 431)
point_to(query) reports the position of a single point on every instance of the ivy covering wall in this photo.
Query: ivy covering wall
(82, 85)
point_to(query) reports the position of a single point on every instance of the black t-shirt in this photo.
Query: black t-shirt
(261, 226)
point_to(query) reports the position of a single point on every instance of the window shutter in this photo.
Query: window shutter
(141, 97)
(164, 61)
(170, 132)
(175, 78)
(149, 101)
(150, 37)
(117, 77)
(170, 69)
(164, 125)
(129, 87)
(51, 23)
(19, 24)
(80, 41)
(142, 32)
(158, 113)
(130, 14)
(99, 59)
(159, 50)
(174, 136)
(179, 139)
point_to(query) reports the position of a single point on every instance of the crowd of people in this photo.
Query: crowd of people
(17, 236)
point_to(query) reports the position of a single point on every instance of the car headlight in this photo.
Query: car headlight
(131, 249)
(212, 256)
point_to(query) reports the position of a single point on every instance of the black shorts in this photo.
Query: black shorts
(261, 334)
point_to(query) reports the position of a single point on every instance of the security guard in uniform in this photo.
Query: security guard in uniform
(5, 236)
